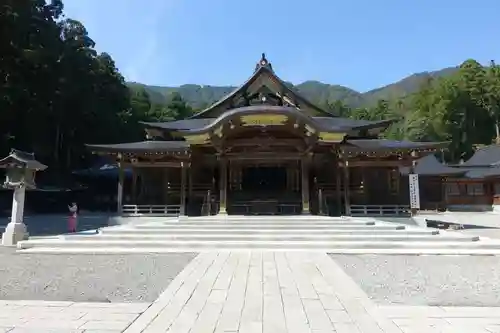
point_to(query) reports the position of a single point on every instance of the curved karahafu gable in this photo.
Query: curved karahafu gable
(326, 128)
(266, 116)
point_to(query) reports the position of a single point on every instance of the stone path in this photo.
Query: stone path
(251, 291)
(59, 317)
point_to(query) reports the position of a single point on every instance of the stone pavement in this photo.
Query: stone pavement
(251, 291)
(66, 317)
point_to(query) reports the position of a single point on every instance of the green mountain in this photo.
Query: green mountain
(199, 96)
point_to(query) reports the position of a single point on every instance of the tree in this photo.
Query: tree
(178, 108)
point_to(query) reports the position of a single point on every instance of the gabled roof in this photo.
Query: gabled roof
(486, 156)
(263, 69)
(430, 166)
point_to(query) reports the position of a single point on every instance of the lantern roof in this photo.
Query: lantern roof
(20, 159)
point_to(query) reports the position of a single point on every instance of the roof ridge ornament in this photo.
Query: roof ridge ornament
(263, 62)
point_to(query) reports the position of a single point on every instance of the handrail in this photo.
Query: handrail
(379, 210)
(159, 210)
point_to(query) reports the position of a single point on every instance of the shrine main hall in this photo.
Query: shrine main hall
(265, 149)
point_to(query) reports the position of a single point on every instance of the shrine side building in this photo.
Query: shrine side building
(265, 149)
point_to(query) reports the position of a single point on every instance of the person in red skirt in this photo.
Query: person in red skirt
(72, 219)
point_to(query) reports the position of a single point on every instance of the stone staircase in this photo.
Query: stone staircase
(276, 233)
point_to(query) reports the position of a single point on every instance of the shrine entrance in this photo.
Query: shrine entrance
(264, 188)
(264, 179)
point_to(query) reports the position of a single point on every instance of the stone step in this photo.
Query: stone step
(384, 251)
(251, 226)
(140, 240)
(289, 218)
(259, 223)
(260, 244)
(249, 232)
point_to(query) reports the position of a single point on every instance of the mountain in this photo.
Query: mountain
(200, 96)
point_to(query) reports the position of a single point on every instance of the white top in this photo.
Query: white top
(73, 209)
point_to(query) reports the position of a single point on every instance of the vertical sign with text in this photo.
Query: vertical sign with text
(414, 191)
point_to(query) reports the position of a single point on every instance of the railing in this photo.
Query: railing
(379, 210)
(161, 210)
(257, 207)
(175, 187)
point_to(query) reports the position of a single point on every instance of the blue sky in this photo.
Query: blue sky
(361, 44)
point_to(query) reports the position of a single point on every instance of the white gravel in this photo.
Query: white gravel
(87, 278)
(426, 280)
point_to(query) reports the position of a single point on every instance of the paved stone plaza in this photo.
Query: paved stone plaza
(253, 275)
(250, 291)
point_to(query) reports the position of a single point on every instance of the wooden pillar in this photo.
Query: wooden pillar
(121, 180)
(338, 186)
(347, 188)
(183, 188)
(222, 186)
(305, 185)
(190, 187)
(134, 186)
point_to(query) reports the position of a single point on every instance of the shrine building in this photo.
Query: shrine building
(265, 149)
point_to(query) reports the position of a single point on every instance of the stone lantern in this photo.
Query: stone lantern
(20, 174)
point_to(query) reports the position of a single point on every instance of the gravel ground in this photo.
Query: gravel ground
(426, 280)
(87, 278)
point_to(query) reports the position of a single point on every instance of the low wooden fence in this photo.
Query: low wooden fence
(151, 210)
(379, 210)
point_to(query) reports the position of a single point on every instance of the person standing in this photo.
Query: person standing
(72, 220)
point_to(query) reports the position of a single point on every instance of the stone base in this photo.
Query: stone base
(14, 233)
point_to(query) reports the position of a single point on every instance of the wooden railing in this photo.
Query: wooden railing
(379, 210)
(266, 207)
(175, 187)
(159, 210)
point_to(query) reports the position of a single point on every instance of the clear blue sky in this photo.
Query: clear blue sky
(361, 44)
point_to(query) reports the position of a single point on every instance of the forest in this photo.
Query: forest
(58, 93)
